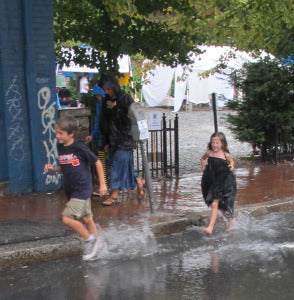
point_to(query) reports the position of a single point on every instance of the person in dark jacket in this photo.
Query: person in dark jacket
(116, 130)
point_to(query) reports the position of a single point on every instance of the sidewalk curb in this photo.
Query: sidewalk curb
(27, 252)
(176, 225)
(52, 248)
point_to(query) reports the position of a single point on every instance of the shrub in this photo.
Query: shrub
(265, 111)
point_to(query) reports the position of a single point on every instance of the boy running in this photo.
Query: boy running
(75, 160)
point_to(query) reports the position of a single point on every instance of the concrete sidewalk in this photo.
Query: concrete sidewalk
(31, 229)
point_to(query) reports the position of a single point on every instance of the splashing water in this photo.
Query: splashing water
(246, 263)
(127, 242)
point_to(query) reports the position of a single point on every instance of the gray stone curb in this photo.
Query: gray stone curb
(175, 225)
(27, 252)
(51, 248)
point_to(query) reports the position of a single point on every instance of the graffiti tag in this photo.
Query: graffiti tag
(16, 135)
(47, 120)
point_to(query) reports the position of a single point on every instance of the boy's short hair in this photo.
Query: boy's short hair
(68, 124)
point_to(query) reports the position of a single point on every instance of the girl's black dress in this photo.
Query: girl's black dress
(219, 183)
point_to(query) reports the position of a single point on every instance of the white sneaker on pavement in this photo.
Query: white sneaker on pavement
(91, 248)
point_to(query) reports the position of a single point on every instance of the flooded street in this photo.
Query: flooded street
(264, 183)
(177, 196)
(246, 263)
(254, 185)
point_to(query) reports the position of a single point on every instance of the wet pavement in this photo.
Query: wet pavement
(36, 217)
(247, 263)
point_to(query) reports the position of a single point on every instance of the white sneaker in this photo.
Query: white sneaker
(91, 248)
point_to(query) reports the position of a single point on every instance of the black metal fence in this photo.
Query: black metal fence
(279, 146)
(284, 146)
(162, 149)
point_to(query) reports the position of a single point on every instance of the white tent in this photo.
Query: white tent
(158, 81)
(124, 66)
(124, 62)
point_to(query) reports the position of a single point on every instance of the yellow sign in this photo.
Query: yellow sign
(124, 79)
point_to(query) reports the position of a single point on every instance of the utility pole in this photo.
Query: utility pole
(214, 112)
(140, 134)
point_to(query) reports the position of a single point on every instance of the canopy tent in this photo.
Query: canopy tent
(73, 69)
(157, 82)
(124, 67)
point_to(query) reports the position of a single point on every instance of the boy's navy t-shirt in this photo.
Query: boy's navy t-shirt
(75, 161)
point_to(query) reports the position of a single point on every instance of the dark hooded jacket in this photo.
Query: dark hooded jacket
(116, 125)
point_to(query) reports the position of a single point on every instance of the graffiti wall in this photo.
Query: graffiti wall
(27, 95)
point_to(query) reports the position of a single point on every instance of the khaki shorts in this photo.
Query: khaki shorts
(77, 209)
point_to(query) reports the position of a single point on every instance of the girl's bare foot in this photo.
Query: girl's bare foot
(231, 224)
(207, 230)
(141, 190)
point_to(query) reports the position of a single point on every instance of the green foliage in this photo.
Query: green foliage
(253, 25)
(167, 31)
(72, 87)
(90, 102)
(267, 106)
(137, 62)
(120, 27)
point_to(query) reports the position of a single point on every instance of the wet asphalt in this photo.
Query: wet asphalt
(31, 229)
(30, 225)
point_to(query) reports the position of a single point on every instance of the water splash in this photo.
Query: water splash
(127, 242)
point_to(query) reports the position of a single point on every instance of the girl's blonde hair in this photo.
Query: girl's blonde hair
(223, 140)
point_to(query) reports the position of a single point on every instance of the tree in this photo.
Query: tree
(166, 31)
(255, 24)
(266, 110)
(120, 27)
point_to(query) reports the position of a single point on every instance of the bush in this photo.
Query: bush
(265, 112)
(72, 87)
(90, 102)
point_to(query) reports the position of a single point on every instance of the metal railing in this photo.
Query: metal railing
(162, 150)
(281, 146)
(284, 145)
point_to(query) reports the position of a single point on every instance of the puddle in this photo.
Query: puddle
(254, 185)
(244, 264)
(260, 184)
(170, 196)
